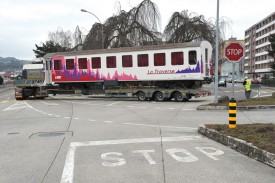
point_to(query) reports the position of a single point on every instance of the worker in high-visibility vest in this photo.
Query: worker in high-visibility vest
(247, 87)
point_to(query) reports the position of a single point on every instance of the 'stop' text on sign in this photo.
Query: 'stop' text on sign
(234, 52)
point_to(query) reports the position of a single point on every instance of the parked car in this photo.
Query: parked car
(229, 80)
(240, 80)
(222, 82)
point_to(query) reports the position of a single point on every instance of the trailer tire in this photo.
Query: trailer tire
(159, 96)
(179, 97)
(141, 96)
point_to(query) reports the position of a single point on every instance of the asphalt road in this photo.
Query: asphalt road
(83, 139)
(239, 91)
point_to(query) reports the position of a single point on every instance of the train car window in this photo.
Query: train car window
(111, 62)
(127, 61)
(143, 60)
(192, 57)
(82, 63)
(69, 64)
(57, 65)
(177, 58)
(96, 62)
(159, 59)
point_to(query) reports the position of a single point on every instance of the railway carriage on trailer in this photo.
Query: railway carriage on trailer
(150, 72)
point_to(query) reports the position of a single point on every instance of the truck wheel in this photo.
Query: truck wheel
(179, 97)
(141, 96)
(159, 96)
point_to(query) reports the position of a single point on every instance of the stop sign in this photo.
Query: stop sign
(234, 52)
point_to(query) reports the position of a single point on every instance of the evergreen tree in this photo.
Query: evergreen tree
(1, 80)
(48, 47)
(271, 52)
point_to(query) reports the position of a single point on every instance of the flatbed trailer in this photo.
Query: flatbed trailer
(35, 89)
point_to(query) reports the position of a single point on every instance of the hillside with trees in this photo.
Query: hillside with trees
(11, 64)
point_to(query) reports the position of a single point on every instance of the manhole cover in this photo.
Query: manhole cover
(51, 134)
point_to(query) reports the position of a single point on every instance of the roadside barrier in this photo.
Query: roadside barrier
(232, 113)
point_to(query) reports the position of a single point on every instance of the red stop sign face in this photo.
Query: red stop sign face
(234, 52)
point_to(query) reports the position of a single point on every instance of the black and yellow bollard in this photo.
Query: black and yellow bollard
(232, 113)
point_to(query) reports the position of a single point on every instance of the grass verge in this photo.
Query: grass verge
(250, 102)
(260, 135)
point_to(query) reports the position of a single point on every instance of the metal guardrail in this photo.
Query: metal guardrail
(256, 87)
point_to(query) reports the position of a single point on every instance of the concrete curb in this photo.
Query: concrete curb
(240, 146)
(247, 108)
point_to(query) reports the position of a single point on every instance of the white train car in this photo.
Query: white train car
(169, 62)
(157, 72)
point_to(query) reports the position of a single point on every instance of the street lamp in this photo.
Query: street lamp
(83, 10)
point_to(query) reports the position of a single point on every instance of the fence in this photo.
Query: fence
(268, 82)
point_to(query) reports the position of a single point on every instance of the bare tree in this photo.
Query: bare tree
(186, 27)
(139, 26)
(62, 38)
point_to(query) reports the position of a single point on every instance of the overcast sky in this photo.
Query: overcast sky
(24, 23)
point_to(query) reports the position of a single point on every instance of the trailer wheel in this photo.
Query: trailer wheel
(159, 96)
(141, 96)
(179, 97)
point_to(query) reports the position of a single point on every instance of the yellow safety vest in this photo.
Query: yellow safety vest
(247, 85)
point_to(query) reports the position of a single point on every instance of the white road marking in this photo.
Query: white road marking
(92, 120)
(68, 171)
(187, 128)
(49, 103)
(135, 141)
(147, 156)
(130, 106)
(213, 152)
(114, 103)
(108, 122)
(18, 105)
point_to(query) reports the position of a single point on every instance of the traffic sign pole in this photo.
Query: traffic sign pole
(217, 53)
(233, 81)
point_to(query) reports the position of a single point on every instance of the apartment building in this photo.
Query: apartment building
(257, 61)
